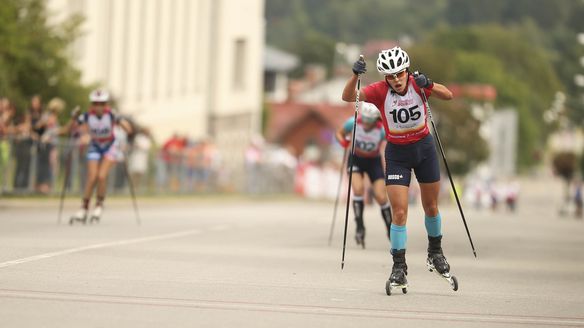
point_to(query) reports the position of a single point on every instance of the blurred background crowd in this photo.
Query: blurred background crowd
(224, 102)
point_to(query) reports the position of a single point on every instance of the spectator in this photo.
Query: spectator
(47, 131)
(138, 161)
(21, 147)
(194, 164)
(578, 199)
(511, 195)
(172, 155)
(6, 118)
(205, 161)
(253, 161)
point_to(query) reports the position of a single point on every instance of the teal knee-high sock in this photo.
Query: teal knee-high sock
(434, 225)
(399, 237)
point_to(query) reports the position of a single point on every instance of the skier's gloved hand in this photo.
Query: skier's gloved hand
(423, 81)
(344, 143)
(75, 112)
(359, 67)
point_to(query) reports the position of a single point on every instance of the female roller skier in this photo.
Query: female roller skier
(102, 152)
(369, 137)
(410, 146)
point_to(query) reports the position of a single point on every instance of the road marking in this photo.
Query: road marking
(98, 246)
(298, 309)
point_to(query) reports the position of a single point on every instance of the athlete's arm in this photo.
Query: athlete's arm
(74, 120)
(441, 92)
(382, 153)
(125, 125)
(341, 135)
(350, 91)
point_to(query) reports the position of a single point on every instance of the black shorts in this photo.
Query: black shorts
(370, 165)
(420, 156)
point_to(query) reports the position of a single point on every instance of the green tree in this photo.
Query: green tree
(463, 146)
(34, 56)
(520, 71)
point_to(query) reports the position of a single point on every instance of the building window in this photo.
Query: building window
(240, 62)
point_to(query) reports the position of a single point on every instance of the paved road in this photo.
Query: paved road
(254, 263)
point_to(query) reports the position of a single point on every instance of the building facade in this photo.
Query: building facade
(192, 67)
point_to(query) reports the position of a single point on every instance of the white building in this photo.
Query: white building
(188, 66)
(500, 129)
(277, 65)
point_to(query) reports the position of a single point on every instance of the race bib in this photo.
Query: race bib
(405, 114)
(367, 143)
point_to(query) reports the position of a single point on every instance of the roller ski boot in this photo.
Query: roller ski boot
(397, 279)
(436, 262)
(79, 216)
(360, 236)
(96, 214)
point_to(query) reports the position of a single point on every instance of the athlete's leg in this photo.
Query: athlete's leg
(398, 174)
(103, 173)
(357, 183)
(92, 169)
(398, 197)
(380, 194)
(428, 174)
(429, 193)
(433, 220)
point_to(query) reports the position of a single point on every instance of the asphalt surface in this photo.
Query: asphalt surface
(266, 263)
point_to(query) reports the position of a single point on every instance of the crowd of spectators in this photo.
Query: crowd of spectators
(34, 154)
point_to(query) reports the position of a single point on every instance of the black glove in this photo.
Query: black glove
(423, 81)
(359, 67)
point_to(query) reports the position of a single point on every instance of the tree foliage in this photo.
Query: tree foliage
(522, 74)
(34, 56)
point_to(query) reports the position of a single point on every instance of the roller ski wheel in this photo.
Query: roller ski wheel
(96, 215)
(389, 287)
(397, 280)
(360, 237)
(437, 263)
(80, 216)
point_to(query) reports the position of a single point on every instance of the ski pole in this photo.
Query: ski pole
(351, 156)
(68, 159)
(337, 199)
(132, 192)
(448, 171)
(66, 179)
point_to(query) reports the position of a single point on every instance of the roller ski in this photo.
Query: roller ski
(436, 262)
(397, 279)
(360, 237)
(96, 214)
(79, 216)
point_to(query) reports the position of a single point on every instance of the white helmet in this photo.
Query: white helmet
(369, 112)
(392, 61)
(99, 96)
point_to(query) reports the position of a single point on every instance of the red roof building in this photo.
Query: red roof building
(296, 124)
